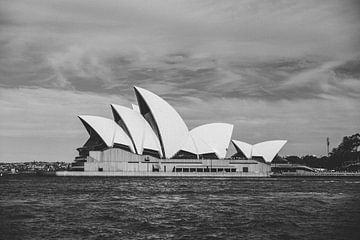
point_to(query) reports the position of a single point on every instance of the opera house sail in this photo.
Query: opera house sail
(152, 139)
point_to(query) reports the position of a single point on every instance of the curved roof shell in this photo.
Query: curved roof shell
(196, 146)
(165, 121)
(268, 149)
(215, 135)
(135, 107)
(139, 130)
(244, 147)
(108, 130)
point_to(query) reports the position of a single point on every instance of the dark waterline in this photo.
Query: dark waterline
(158, 208)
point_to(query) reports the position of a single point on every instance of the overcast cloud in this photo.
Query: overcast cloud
(276, 69)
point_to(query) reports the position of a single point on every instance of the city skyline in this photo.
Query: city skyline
(276, 70)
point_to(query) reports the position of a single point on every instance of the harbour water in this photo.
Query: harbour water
(175, 208)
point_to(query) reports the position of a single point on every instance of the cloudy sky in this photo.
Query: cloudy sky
(275, 69)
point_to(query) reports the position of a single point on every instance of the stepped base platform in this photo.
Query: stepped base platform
(162, 174)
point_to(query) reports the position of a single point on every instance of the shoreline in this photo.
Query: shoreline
(185, 175)
(315, 174)
(204, 175)
(160, 174)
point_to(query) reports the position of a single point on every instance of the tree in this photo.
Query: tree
(293, 159)
(340, 154)
(349, 144)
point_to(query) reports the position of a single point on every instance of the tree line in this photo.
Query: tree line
(346, 155)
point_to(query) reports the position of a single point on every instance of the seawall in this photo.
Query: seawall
(163, 174)
(317, 174)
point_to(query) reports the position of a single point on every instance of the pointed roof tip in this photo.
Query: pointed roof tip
(136, 89)
(117, 106)
(82, 116)
(113, 105)
(283, 142)
(85, 116)
(235, 141)
(140, 89)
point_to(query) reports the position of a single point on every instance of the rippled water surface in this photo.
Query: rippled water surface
(165, 208)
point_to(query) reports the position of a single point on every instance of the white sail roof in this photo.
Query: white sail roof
(268, 149)
(216, 135)
(170, 127)
(196, 146)
(108, 130)
(135, 107)
(244, 147)
(139, 129)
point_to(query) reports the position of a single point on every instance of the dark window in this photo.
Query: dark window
(245, 169)
(206, 169)
(185, 170)
(220, 169)
(213, 170)
(184, 155)
(151, 153)
(227, 169)
(208, 156)
(199, 170)
(100, 169)
(178, 169)
(239, 155)
(121, 146)
(233, 170)
(192, 169)
(258, 158)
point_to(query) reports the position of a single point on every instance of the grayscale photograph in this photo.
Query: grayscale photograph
(180, 119)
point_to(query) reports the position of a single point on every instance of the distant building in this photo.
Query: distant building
(296, 169)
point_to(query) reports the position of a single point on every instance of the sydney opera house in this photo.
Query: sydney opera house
(151, 139)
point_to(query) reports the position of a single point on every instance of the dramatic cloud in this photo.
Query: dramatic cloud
(35, 120)
(275, 69)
